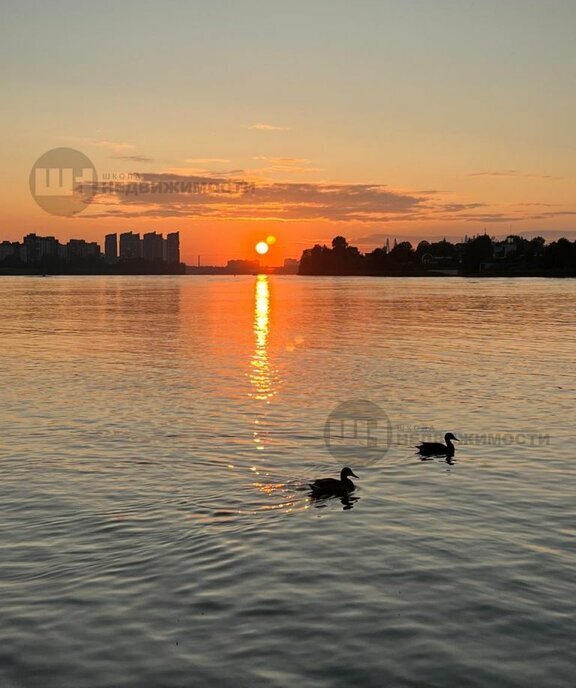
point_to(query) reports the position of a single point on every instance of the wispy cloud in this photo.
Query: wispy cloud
(482, 218)
(432, 192)
(289, 201)
(496, 173)
(541, 205)
(267, 127)
(512, 173)
(458, 207)
(206, 161)
(283, 201)
(557, 213)
(115, 146)
(285, 162)
(132, 158)
(285, 165)
(201, 172)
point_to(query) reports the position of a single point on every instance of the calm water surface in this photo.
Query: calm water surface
(156, 437)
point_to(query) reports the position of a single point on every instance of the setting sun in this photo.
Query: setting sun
(261, 247)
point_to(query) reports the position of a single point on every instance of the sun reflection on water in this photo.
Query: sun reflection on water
(264, 380)
(261, 373)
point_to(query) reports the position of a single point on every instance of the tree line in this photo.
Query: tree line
(479, 255)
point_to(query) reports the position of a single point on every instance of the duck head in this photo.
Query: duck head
(345, 472)
(448, 437)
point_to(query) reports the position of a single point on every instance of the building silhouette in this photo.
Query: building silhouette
(151, 255)
(38, 248)
(130, 246)
(153, 247)
(111, 248)
(172, 246)
(12, 250)
(78, 249)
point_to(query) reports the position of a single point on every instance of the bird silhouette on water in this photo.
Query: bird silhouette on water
(328, 487)
(437, 448)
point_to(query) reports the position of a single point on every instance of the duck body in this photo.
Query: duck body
(437, 448)
(333, 486)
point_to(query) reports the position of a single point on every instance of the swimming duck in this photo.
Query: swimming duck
(331, 486)
(437, 448)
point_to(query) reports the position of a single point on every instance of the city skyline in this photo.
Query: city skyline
(128, 246)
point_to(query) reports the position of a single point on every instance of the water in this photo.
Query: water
(157, 434)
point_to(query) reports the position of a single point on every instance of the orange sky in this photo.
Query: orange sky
(393, 119)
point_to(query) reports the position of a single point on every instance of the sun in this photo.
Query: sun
(262, 247)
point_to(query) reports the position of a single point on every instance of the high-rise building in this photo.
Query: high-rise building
(7, 250)
(172, 245)
(92, 250)
(79, 249)
(75, 249)
(130, 246)
(111, 248)
(40, 248)
(153, 247)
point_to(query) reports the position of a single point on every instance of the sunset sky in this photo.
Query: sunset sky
(372, 119)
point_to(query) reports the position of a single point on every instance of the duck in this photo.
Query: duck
(437, 448)
(332, 486)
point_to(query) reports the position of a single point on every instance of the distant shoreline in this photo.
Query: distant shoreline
(10, 272)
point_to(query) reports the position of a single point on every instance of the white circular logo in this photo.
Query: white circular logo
(63, 181)
(357, 432)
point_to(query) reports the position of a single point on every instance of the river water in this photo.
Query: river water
(157, 435)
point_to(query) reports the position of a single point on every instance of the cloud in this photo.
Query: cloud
(542, 176)
(115, 146)
(284, 165)
(206, 161)
(497, 173)
(542, 205)
(557, 213)
(283, 201)
(267, 127)
(512, 173)
(132, 158)
(431, 192)
(457, 207)
(483, 217)
(199, 172)
(285, 162)
(187, 194)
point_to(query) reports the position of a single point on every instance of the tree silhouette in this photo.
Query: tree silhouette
(514, 256)
(477, 251)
